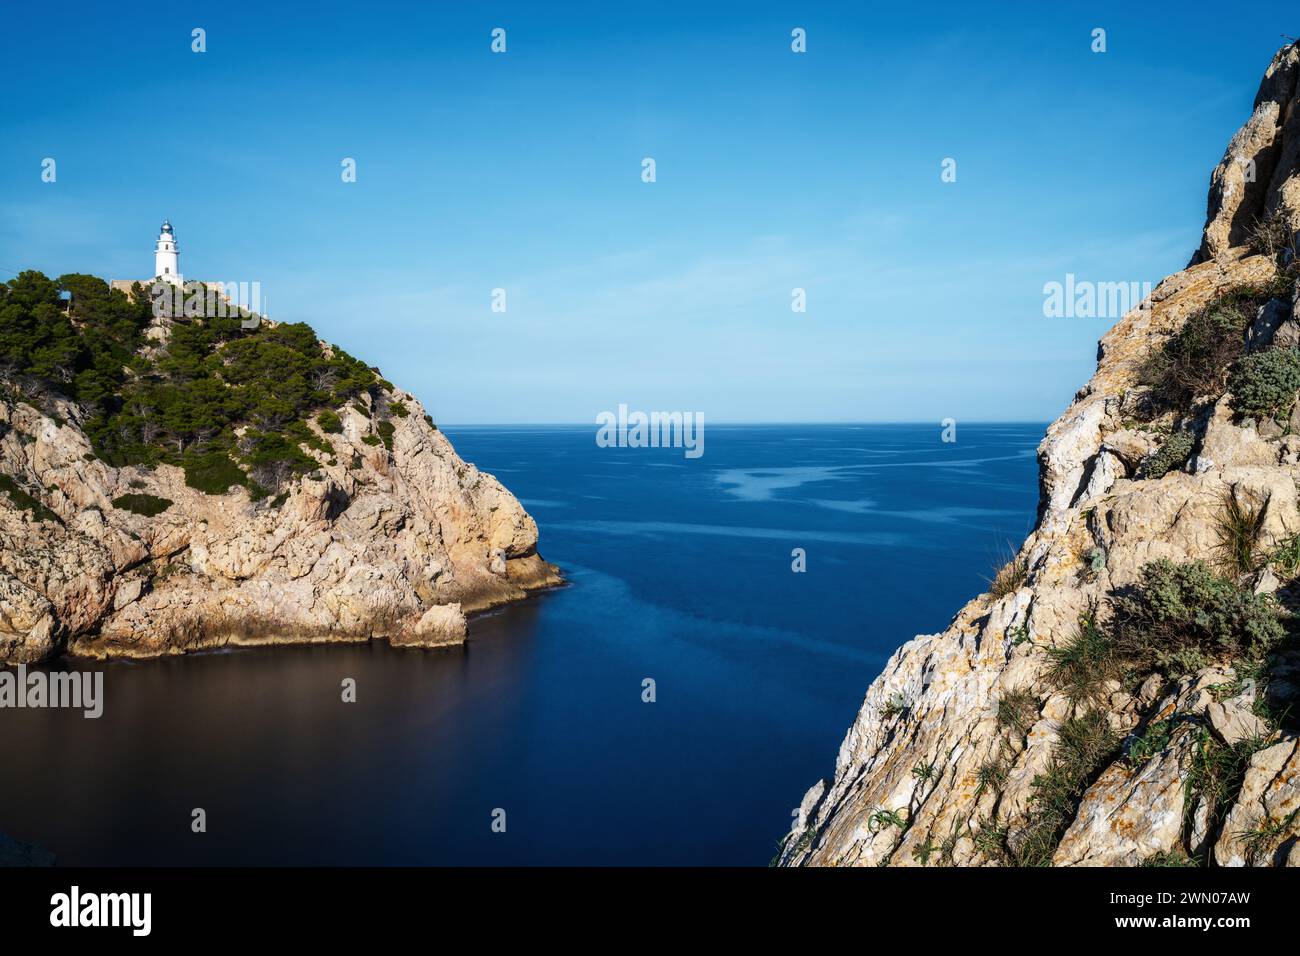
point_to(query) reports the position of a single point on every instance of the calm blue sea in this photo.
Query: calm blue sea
(680, 572)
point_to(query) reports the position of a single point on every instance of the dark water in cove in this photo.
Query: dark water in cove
(681, 572)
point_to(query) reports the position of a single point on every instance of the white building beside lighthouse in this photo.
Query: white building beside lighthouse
(167, 256)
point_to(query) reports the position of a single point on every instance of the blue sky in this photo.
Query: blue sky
(522, 171)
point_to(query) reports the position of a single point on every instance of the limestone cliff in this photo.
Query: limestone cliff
(1122, 696)
(384, 532)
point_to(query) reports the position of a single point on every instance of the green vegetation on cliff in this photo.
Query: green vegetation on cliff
(142, 504)
(228, 404)
(21, 498)
(1184, 616)
(1197, 360)
(1264, 384)
(1173, 623)
(1173, 454)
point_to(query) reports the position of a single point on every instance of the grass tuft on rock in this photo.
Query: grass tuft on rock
(1084, 746)
(1271, 235)
(1017, 711)
(1010, 577)
(1216, 774)
(1171, 858)
(1286, 556)
(1238, 525)
(1261, 842)
(1084, 663)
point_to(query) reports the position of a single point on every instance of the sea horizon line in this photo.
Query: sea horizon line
(760, 424)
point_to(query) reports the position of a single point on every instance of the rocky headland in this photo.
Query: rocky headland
(172, 483)
(1125, 693)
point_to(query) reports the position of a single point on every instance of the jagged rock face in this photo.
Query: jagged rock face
(397, 544)
(929, 728)
(1269, 800)
(1260, 171)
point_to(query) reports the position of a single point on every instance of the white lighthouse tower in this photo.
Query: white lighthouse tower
(167, 257)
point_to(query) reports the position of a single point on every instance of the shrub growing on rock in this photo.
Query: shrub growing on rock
(1154, 739)
(26, 502)
(1272, 235)
(213, 473)
(329, 423)
(1264, 384)
(1180, 614)
(1172, 455)
(142, 504)
(1194, 360)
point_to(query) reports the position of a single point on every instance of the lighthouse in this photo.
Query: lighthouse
(167, 257)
